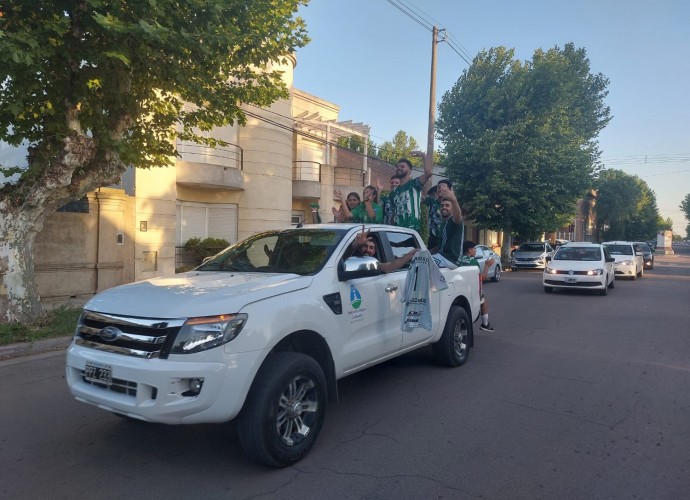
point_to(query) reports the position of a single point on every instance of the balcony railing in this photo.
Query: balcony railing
(231, 155)
(303, 170)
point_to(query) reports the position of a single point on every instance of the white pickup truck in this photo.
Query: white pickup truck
(261, 333)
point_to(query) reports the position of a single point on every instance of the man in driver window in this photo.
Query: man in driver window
(365, 246)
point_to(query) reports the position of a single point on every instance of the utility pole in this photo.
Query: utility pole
(432, 98)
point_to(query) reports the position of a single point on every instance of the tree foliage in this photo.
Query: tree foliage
(356, 143)
(625, 206)
(400, 147)
(520, 137)
(93, 87)
(685, 206)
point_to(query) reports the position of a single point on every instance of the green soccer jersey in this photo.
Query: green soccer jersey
(450, 244)
(406, 204)
(359, 214)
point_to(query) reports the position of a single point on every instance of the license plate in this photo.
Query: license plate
(98, 374)
(571, 280)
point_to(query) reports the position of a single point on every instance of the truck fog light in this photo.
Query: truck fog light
(195, 385)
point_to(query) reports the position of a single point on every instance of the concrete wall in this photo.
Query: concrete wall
(78, 254)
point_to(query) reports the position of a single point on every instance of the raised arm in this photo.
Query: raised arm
(428, 166)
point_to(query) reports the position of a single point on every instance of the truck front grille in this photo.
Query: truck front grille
(129, 336)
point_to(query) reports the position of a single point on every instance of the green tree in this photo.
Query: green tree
(520, 137)
(93, 87)
(618, 195)
(685, 206)
(356, 143)
(664, 224)
(400, 147)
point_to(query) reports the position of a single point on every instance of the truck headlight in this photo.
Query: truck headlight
(627, 263)
(201, 334)
(549, 270)
(595, 272)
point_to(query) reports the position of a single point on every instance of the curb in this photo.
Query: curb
(31, 348)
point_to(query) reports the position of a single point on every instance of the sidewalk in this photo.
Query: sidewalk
(30, 348)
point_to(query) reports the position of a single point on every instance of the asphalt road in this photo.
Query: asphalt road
(574, 396)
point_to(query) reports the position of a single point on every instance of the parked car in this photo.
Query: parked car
(629, 258)
(483, 254)
(582, 266)
(531, 255)
(647, 254)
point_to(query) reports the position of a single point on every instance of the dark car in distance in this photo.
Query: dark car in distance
(647, 254)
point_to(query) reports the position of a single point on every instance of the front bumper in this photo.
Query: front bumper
(625, 270)
(562, 280)
(527, 264)
(153, 389)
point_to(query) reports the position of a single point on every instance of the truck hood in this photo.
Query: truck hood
(194, 293)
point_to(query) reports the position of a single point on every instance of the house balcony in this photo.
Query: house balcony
(210, 168)
(306, 180)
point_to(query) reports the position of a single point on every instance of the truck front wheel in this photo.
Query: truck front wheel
(453, 348)
(285, 409)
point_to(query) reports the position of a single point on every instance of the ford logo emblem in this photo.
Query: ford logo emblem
(110, 333)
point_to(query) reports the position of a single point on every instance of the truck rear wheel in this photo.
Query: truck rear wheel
(453, 348)
(284, 410)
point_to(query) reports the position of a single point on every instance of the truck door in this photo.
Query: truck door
(371, 316)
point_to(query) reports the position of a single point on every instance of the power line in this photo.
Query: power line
(405, 10)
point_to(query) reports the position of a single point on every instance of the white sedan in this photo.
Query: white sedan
(582, 266)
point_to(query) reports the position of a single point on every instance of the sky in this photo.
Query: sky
(374, 61)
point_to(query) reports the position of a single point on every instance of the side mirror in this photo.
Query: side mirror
(610, 259)
(547, 258)
(358, 267)
(639, 253)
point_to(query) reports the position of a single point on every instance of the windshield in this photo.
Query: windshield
(298, 251)
(531, 247)
(578, 253)
(620, 249)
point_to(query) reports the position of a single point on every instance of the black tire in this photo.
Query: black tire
(453, 348)
(641, 273)
(284, 411)
(613, 283)
(548, 289)
(497, 274)
(513, 269)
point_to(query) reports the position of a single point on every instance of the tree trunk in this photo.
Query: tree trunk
(19, 300)
(24, 207)
(505, 248)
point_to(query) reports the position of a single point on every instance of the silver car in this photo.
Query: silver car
(531, 255)
(483, 254)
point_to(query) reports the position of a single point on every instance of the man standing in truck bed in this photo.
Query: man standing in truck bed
(406, 199)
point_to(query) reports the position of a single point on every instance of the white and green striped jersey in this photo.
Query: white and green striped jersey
(406, 201)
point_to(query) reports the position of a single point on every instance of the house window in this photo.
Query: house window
(297, 217)
(77, 206)
(206, 220)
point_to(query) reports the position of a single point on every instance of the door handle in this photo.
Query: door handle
(391, 288)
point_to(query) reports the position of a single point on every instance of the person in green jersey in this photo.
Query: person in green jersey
(406, 199)
(450, 234)
(369, 211)
(434, 219)
(346, 205)
(385, 199)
